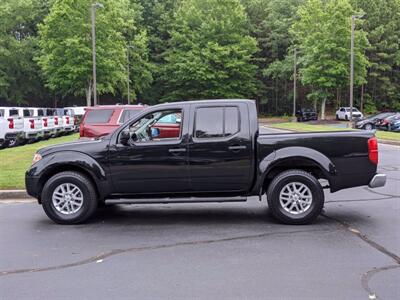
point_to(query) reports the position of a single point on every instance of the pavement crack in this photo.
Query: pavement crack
(365, 278)
(359, 200)
(102, 256)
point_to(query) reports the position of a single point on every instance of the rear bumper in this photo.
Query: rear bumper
(17, 135)
(378, 180)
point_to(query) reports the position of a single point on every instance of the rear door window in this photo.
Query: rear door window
(216, 122)
(1, 113)
(98, 116)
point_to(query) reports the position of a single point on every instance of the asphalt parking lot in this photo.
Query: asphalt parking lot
(209, 251)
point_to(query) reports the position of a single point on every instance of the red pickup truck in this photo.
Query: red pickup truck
(101, 120)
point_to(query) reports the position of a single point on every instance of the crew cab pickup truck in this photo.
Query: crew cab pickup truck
(32, 125)
(11, 127)
(218, 156)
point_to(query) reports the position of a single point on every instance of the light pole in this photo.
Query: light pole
(353, 21)
(94, 7)
(294, 82)
(128, 73)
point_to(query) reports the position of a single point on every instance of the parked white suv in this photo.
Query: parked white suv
(33, 126)
(11, 127)
(343, 113)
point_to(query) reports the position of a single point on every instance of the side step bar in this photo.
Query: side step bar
(175, 200)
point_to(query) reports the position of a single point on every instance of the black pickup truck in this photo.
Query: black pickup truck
(216, 155)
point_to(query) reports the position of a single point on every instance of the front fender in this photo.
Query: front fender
(62, 161)
(70, 158)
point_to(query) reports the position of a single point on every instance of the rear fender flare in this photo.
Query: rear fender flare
(322, 161)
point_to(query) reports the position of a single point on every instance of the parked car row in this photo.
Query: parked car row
(389, 121)
(20, 125)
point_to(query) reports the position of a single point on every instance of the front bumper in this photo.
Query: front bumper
(32, 185)
(378, 180)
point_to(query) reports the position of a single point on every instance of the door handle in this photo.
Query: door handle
(236, 148)
(177, 150)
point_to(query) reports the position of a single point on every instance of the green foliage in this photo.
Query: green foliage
(210, 52)
(322, 35)
(382, 22)
(65, 46)
(187, 49)
(19, 76)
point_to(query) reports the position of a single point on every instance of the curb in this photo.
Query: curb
(14, 194)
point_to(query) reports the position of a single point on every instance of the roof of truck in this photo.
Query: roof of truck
(207, 101)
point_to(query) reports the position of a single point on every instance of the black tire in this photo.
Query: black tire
(88, 207)
(13, 143)
(280, 182)
(368, 126)
(337, 117)
(346, 117)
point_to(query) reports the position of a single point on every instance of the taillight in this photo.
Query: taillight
(11, 124)
(44, 122)
(32, 123)
(373, 150)
(55, 120)
(67, 120)
(81, 130)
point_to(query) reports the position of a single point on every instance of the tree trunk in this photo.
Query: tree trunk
(276, 96)
(362, 99)
(89, 93)
(323, 108)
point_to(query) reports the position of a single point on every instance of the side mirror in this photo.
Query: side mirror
(124, 137)
(155, 132)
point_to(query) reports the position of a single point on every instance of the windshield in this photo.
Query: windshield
(354, 109)
(143, 129)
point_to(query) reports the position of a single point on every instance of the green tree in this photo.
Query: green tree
(157, 18)
(65, 46)
(210, 52)
(20, 80)
(322, 34)
(382, 22)
(270, 21)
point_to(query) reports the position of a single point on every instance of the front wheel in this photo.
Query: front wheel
(295, 197)
(69, 198)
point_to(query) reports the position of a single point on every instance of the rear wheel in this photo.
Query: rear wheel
(295, 197)
(337, 117)
(69, 198)
(368, 126)
(13, 143)
(346, 117)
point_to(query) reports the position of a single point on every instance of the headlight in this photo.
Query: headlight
(36, 158)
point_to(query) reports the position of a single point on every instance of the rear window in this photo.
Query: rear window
(40, 112)
(1, 113)
(14, 113)
(128, 114)
(28, 113)
(98, 116)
